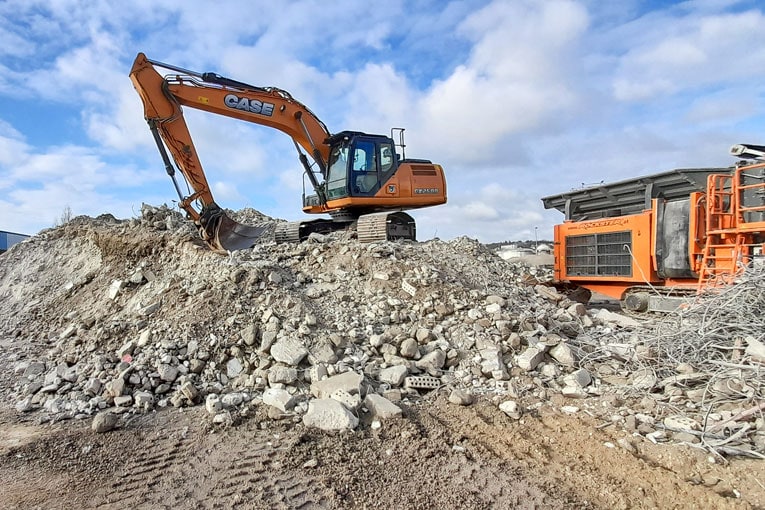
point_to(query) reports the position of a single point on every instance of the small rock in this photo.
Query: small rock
(510, 408)
(167, 372)
(104, 422)
(409, 348)
(461, 397)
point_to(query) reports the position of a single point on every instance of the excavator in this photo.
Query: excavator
(358, 179)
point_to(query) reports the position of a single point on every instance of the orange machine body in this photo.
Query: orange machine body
(684, 230)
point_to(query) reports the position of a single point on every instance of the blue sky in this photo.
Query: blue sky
(517, 99)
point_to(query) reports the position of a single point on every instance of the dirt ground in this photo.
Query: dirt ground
(438, 456)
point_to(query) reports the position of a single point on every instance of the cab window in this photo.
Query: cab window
(337, 174)
(386, 157)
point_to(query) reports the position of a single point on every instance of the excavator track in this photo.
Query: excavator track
(287, 232)
(383, 226)
(386, 226)
(296, 231)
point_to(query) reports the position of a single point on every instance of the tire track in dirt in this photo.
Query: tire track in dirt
(157, 460)
(249, 471)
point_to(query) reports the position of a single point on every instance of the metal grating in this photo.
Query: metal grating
(599, 254)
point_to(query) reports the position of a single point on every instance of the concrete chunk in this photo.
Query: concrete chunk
(381, 407)
(114, 388)
(123, 401)
(510, 408)
(432, 362)
(115, 288)
(530, 358)
(617, 319)
(289, 351)
(579, 378)
(755, 349)
(563, 354)
(328, 414)
(189, 391)
(348, 381)
(280, 374)
(393, 375)
(143, 399)
(278, 398)
(233, 368)
(352, 402)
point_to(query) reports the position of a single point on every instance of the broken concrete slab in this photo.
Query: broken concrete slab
(328, 414)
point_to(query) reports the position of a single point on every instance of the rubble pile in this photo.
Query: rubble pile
(113, 317)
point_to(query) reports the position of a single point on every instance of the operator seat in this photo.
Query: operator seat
(366, 181)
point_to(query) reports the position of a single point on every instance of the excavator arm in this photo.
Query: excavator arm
(163, 98)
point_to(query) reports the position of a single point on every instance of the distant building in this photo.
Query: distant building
(544, 248)
(8, 239)
(511, 251)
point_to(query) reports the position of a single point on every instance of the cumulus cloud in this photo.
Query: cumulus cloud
(514, 79)
(517, 100)
(700, 51)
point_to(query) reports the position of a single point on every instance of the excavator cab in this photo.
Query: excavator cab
(358, 164)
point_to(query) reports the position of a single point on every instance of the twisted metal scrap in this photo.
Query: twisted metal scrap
(711, 335)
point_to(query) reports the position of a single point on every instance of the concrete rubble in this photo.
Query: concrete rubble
(137, 316)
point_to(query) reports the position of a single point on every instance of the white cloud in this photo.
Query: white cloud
(514, 80)
(687, 51)
(517, 100)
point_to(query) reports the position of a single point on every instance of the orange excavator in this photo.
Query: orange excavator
(358, 179)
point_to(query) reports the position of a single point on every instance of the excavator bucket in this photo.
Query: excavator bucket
(231, 235)
(223, 234)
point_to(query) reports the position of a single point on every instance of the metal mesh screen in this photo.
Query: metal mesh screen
(599, 254)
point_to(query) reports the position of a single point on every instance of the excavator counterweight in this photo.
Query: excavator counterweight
(357, 178)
